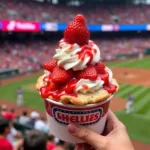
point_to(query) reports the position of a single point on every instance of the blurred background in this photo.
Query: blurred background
(29, 35)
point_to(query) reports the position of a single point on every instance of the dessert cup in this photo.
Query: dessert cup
(59, 115)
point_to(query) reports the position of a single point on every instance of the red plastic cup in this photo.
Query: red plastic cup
(60, 115)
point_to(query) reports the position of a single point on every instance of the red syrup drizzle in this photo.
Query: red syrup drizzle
(67, 89)
(110, 88)
(87, 51)
(105, 78)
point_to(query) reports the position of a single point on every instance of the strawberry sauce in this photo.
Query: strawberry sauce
(87, 50)
(67, 89)
(105, 78)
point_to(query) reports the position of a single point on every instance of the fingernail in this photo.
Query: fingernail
(72, 128)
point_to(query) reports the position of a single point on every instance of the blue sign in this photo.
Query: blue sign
(95, 27)
(134, 27)
(42, 26)
(62, 27)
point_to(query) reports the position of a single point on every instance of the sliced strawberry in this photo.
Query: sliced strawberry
(88, 73)
(50, 65)
(105, 78)
(44, 92)
(111, 88)
(100, 68)
(77, 31)
(53, 86)
(71, 86)
(60, 75)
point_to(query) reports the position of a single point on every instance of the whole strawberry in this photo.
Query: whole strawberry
(77, 31)
(60, 75)
(88, 73)
(50, 65)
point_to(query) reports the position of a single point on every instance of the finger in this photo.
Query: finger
(112, 118)
(112, 122)
(87, 135)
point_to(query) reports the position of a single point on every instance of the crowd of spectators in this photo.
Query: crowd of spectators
(112, 48)
(32, 55)
(26, 57)
(108, 14)
(36, 137)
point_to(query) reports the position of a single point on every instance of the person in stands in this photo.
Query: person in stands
(14, 134)
(12, 111)
(4, 131)
(3, 110)
(23, 119)
(33, 118)
(41, 125)
(61, 145)
(35, 140)
(51, 144)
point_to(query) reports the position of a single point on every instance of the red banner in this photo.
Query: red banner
(20, 26)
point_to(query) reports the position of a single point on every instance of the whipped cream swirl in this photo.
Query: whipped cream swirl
(86, 85)
(110, 74)
(67, 55)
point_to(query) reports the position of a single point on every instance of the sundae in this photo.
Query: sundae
(76, 75)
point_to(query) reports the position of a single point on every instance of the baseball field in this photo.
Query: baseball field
(133, 77)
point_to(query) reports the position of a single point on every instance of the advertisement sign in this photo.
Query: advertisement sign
(134, 27)
(95, 27)
(106, 27)
(62, 26)
(49, 26)
(20, 26)
(25, 26)
(148, 27)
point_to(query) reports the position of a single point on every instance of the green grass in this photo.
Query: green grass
(145, 63)
(138, 123)
(31, 98)
(137, 126)
(140, 94)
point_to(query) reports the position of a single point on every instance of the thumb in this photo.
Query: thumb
(95, 140)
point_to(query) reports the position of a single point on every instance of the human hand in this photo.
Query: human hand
(115, 136)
